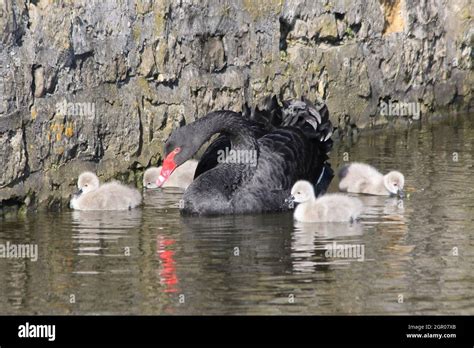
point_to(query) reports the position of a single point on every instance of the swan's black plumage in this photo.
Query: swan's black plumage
(291, 144)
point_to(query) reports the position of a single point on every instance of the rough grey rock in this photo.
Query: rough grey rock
(99, 85)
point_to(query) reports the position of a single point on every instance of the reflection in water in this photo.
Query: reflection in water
(97, 232)
(310, 243)
(325, 231)
(168, 275)
(143, 261)
(164, 198)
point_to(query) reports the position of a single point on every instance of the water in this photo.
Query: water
(153, 261)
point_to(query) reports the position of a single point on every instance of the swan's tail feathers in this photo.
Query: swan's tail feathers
(312, 118)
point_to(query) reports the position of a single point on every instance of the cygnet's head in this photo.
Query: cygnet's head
(87, 182)
(150, 177)
(302, 191)
(394, 182)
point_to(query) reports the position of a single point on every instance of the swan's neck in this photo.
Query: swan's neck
(236, 127)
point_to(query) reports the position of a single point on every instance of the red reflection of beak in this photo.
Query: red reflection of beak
(168, 275)
(168, 167)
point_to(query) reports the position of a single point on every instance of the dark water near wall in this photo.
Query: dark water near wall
(182, 265)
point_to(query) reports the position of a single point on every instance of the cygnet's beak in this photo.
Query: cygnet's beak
(78, 193)
(401, 193)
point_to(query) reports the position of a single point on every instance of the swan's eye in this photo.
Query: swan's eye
(177, 150)
(298, 193)
(395, 184)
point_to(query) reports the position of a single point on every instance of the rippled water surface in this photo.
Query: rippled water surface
(417, 256)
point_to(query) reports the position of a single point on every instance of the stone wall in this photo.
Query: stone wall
(99, 85)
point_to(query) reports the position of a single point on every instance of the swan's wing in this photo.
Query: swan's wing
(324, 179)
(269, 116)
(287, 155)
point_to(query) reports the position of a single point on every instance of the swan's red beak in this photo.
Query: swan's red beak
(169, 165)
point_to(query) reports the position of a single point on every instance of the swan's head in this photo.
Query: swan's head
(394, 182)
(150, 177)
(87, 182)
(182, 144)
(302, 191)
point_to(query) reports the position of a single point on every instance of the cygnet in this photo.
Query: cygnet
(110, 196)
(182, 177)
(331, 207)
(363, 178)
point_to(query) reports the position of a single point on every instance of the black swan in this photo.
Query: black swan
(283, 145)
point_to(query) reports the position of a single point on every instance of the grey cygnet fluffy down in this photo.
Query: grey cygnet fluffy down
(363, 178)
(109, 196)
(182, 176)
(331, 207)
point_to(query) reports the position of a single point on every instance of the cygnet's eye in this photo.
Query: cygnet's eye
(86, 185)
(395, 184)
(298, 192)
